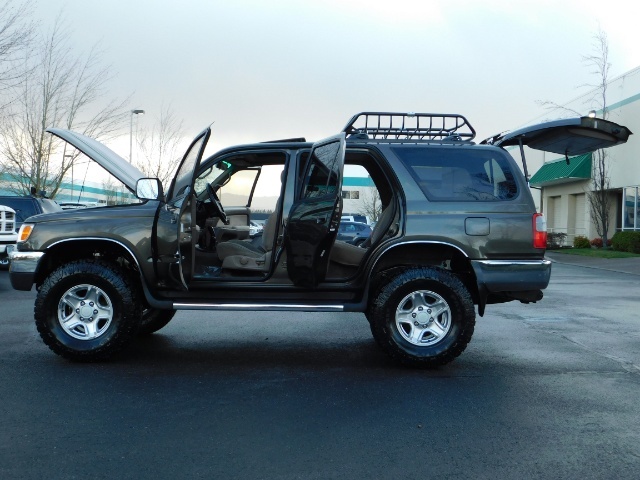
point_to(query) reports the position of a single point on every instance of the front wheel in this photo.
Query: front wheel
(87, 310)
(423, 317)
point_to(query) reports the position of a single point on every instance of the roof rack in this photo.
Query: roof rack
(410, 126)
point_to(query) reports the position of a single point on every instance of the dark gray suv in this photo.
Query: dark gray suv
(458, 230)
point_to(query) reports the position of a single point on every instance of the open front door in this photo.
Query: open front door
(181, 201)
(315, 215)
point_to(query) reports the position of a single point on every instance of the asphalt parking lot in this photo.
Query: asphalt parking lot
(543, 391)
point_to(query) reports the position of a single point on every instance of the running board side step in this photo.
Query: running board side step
(264, 307)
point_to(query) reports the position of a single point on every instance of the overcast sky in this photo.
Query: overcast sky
(281, 68)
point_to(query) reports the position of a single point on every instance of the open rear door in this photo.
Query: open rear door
(315, 215)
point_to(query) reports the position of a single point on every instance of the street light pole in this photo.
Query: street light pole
(133, 112)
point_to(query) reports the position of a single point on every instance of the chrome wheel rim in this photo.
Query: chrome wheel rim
(85, 312)
(423, 318)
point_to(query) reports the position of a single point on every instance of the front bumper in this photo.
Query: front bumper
(24, 266)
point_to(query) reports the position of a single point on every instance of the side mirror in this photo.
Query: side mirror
(149, 189)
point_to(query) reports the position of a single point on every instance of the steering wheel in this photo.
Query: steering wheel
(215, 201)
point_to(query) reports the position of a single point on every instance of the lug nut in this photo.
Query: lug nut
(428, 310)
(91, 304)
(413, 315)
(416, 323)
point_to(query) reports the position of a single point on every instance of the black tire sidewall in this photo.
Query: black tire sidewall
(437, 281)
(154, 319)
(113, 284)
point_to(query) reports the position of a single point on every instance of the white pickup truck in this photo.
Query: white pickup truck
(8, 234)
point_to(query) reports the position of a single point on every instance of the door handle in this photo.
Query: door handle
(321, 220)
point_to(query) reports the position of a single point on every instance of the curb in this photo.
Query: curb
(630, 266)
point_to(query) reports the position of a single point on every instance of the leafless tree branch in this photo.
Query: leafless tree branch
(16, 33)
(161, 145)
(57, 89)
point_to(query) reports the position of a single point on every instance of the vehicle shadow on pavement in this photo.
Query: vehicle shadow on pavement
(166, 351)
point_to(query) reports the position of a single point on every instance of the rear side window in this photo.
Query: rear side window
(460, 174)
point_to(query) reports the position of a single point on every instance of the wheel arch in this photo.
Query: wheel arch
(427, 253)
(70, 249)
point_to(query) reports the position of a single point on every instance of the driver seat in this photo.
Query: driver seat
(243, 255)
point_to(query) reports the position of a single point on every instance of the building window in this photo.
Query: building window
(351, 194)
(631, 209)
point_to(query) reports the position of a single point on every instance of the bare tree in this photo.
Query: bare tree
(599, 198)
(16, 32)
(116, 193)
(371, 205)
(57, 89)
(600, 201)
(161, 146)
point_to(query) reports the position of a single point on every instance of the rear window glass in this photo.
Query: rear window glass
(457, 174)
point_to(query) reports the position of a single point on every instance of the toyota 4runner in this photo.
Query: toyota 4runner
(458, 229)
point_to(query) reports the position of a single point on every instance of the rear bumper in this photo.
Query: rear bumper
(495, 276)
(24, 266)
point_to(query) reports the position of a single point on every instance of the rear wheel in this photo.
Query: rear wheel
(423, 317)
(87, 310)
(154, 319)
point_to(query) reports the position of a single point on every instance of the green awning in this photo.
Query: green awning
(558, 172)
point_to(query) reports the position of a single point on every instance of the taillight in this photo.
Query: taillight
(539, 231)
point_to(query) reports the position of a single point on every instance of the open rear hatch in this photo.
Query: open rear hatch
(568, 137)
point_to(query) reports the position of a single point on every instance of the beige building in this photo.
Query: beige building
(561, 190)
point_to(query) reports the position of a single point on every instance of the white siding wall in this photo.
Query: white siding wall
(566, 206)
(580, 212)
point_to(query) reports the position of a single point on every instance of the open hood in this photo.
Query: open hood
(103, 156)
(568, 137)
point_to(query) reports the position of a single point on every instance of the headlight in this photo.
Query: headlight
(25, 232)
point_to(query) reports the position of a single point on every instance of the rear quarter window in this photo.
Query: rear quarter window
(460, 174)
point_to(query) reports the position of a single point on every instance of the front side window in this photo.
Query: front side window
(452, 174)
(184, 175)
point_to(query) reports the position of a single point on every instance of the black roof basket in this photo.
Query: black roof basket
(410, 126)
